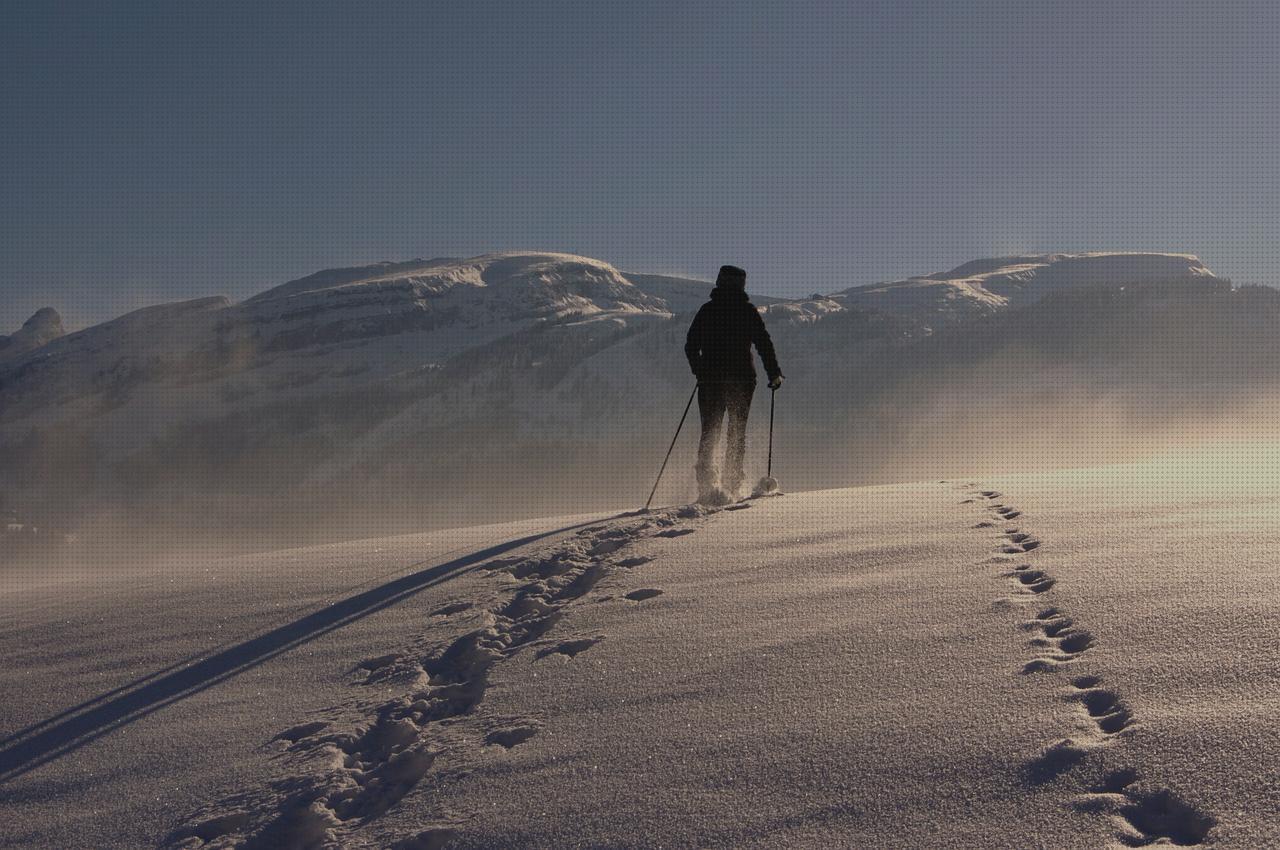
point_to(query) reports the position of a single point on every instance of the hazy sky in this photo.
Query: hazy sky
(156, 151)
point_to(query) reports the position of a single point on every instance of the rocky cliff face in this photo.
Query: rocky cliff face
(42, 328)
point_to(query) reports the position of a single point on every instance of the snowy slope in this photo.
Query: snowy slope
(1061, 660)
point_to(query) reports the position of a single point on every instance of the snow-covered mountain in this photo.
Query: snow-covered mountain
(425, 294)
(984, 286)
(335, 328)
(440, 391)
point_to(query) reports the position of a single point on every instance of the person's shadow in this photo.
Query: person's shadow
(71, 729)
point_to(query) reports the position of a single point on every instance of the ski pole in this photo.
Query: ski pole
(773, 397)
(671, 447)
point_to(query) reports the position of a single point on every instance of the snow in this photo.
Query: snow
(983, 286)
(1074, 659)
(804, 312)
(160, 369)
(199, 662)
(511, 272)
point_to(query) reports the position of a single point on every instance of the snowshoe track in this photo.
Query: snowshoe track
(338, 783)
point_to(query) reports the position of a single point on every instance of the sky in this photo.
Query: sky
(159, 151)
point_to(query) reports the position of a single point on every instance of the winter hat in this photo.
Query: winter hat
(732, 277)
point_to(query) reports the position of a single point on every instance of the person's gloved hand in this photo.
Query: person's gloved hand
(775, 383)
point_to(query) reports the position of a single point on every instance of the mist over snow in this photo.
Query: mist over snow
(442, 392)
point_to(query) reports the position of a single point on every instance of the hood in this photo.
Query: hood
(726, 296)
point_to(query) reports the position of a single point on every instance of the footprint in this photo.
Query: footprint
(643, 594)
(1106, 709)
(1036, 581)
(1019, 543)
(1054, 626)
(1040, 665)
(634, 562)
(604, 547)
(1057, 759)
(1146, 818)
(1160, 815)
(1057, 633)
(452, 608)
(511, 736)
(1075, 642)
(1117, 781)
(1070, 644)
(372, 664)
(674, 532)
(570, 648)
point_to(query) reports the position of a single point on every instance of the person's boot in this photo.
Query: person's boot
(715, 497)
(732, 483)
(708, 491)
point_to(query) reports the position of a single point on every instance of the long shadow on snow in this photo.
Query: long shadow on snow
(43, 742)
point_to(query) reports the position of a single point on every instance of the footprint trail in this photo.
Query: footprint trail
(1142, 816)
(339, 778)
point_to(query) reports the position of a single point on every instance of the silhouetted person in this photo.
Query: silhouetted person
(719, 352)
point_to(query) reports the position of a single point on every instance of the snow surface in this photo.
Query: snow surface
(1077, 659)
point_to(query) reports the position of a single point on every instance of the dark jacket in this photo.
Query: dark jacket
(721, 336)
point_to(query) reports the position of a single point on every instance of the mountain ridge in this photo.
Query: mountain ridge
(983, 285)
(514, 384)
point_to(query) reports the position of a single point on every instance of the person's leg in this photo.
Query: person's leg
(711, 410)
(738, 406)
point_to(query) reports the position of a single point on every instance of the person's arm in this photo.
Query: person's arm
(693, 343)
(764, 345)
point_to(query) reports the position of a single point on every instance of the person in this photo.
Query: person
(719, 351)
